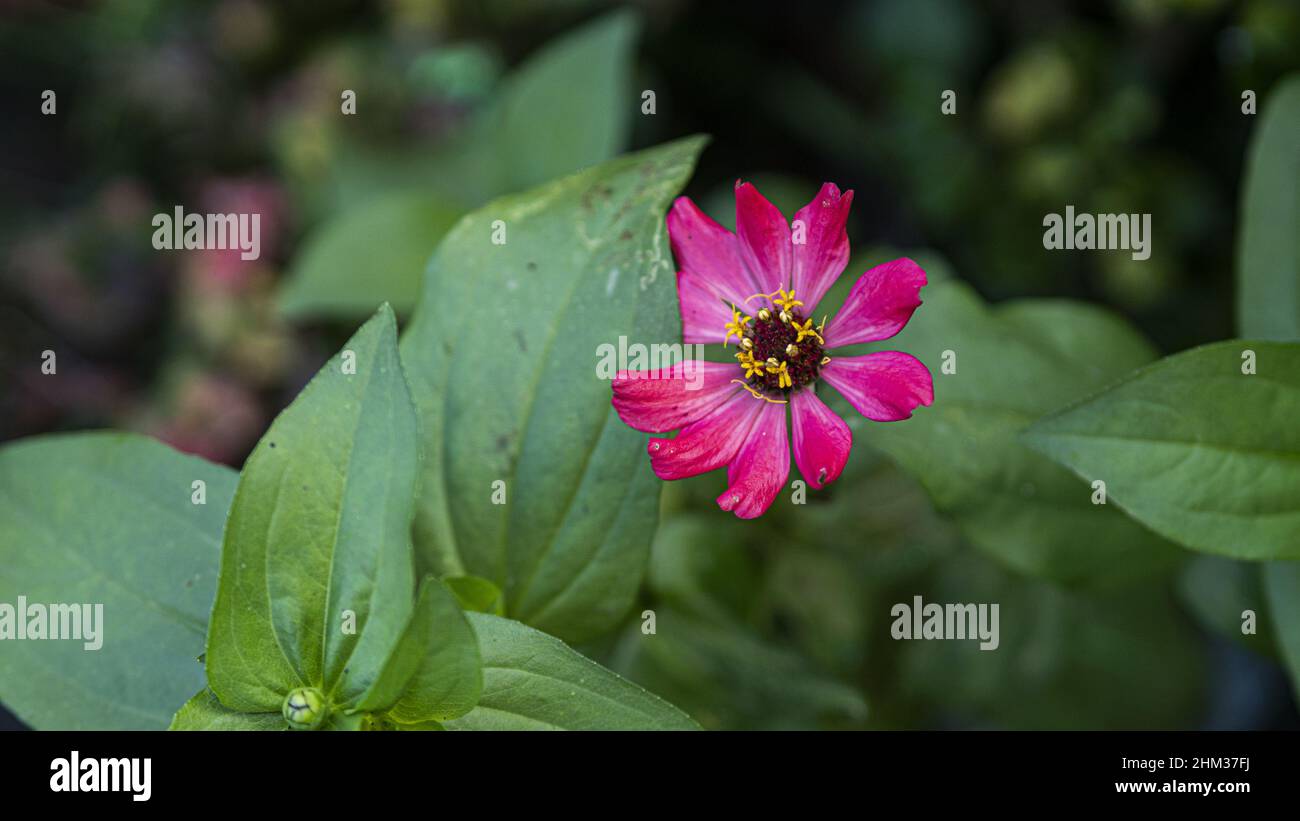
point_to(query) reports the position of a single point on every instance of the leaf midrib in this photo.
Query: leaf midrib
(362, 403)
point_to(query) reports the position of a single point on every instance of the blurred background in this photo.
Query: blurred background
(234, 105)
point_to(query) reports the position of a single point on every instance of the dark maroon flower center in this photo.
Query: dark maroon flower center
(786, 351)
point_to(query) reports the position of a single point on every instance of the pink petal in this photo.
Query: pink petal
(820, 259)
(704, 314)
(708, 443)
(660, 401)
(879, 305)
(821, 439)
(764, 239)
(760, 467)
(709, 253)
(885, 386)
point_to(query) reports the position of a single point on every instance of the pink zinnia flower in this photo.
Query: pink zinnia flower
(735, 414)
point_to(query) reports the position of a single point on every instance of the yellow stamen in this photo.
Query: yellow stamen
(783, 379)
(754, 393)
(747, 362)
(791, 350)
(736, 326)
(787, 300)
(806, 330)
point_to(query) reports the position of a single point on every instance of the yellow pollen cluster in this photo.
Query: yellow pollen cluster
(785, 362)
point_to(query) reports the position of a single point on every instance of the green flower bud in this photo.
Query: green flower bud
(305, 708)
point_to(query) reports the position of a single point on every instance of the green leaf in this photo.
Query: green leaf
(1268, 250)
(502, 354)
(204, 712)
(477, 594)
(567, 108)
(1282, 585)
(1013, 364)
(1195, 449)
(532, 681)
(434, 672)
(108, 519)
(369, 255)
(1268, 294)
(319, 529)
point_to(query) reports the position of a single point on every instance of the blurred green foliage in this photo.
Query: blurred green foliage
(1124, 106)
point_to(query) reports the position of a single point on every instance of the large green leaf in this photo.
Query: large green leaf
(1268, 242)
(532, 681)
(1194, 448)
(106, 518)
(502, 355)
(367, 256)
(1013, 364)
(434, 672)
(320, 529)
